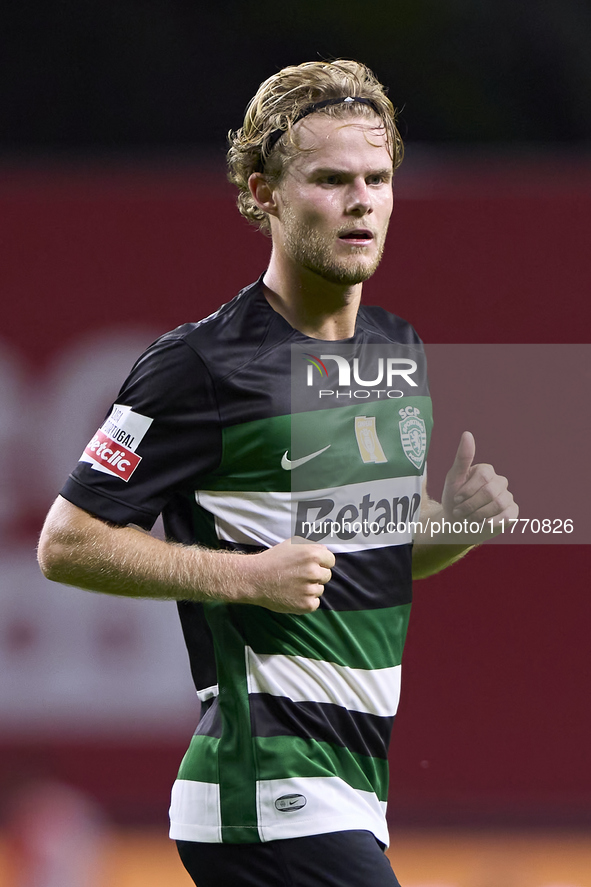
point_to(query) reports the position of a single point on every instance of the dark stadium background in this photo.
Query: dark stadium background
(116, 216)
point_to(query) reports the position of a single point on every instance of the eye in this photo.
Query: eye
(377, 179)
(330, 179)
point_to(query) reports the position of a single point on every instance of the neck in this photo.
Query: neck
(309, 303)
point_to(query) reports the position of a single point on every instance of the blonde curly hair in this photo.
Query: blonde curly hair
(260, 146)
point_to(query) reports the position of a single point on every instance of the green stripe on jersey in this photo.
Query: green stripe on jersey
(200, 763)
(354, 638)
(253, 451)
(237, 772)
(283, 757)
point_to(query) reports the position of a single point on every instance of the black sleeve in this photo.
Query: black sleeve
(160, 437)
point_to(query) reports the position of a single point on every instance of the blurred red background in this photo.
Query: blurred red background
(494, 721)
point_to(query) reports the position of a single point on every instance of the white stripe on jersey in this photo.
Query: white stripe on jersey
(375, 691)
(331, 805)
(195, 813)
(208, 693)
(265, 519)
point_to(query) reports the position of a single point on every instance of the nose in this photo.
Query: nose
(359, 198)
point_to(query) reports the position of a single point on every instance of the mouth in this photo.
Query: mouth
(357, 237)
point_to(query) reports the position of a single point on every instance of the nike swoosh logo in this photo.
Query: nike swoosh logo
(289, 465)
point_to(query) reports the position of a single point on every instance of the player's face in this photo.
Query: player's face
(334, 201)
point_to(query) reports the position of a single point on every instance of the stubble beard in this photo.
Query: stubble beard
(313, 250)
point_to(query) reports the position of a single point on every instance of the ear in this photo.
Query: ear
(263, 193)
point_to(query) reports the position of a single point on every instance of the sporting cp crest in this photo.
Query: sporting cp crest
(413, 435)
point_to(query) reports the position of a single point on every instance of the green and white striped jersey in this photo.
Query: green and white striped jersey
(249, 433)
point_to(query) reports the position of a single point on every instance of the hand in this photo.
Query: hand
(476, 492)
(288, 578)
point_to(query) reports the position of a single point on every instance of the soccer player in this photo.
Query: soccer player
(289, 528)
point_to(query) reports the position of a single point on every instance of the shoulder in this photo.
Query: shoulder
(386, 327)
(223, 341)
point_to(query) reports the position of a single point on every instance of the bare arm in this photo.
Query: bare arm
(78, 549)
(473, 494)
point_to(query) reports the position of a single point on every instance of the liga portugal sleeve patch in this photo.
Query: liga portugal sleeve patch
(112, 450)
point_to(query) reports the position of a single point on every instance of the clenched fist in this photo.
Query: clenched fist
(288, 578)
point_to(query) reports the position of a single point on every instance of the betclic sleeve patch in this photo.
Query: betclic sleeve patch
(112, 450)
